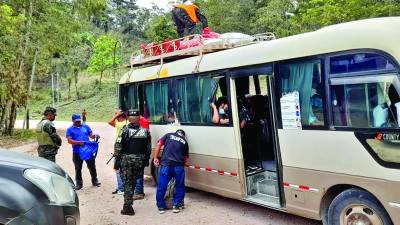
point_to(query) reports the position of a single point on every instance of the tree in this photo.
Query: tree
(26, 27)
(161, 28)
(103, 57)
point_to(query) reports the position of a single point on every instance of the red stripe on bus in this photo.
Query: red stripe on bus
(197, 167)
(208, 169)
(220, 172)
(234, 174)
(304, 187)
(286, 184)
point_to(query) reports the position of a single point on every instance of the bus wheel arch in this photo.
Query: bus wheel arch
(337, 194)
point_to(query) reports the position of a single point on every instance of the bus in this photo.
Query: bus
(309, 123)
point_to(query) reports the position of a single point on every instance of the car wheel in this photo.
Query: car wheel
(355, 206)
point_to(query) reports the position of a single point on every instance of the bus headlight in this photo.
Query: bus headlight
(57, 188)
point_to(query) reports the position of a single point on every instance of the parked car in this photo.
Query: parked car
(35, 191)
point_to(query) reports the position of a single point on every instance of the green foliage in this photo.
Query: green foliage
(161, 28)
(103, 55)
(229, 15)
(314, 14)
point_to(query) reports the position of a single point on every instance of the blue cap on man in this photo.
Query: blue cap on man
(76, 117)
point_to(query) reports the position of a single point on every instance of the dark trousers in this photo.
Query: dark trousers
(91, 165)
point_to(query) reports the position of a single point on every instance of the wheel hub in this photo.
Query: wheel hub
(359, 215)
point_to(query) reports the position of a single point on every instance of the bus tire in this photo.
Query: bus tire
(355, 206)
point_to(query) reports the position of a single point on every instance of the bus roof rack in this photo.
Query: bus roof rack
(168, 51)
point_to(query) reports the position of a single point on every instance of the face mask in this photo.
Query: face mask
(221, 111)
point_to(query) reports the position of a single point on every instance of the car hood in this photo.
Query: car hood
(26, 161)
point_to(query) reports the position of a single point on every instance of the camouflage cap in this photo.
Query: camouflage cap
(50, 110)
(133, 112)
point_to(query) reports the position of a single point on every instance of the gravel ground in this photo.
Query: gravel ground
(99, 207)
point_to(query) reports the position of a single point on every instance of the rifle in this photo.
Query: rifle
(112, 156)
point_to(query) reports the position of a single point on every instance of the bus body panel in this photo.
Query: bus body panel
(307, 203)
(213, 163)
(313, 165)
(317, 149)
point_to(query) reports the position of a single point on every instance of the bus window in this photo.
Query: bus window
(359, 62)
(194, 95)
(128, 97)
(156, 102)
(306, 79)
(366, 102)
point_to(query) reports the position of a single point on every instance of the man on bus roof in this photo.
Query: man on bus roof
(186, 16)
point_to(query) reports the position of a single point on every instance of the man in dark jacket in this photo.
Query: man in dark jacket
(48, 139)
(131, 152)
(186, 16)
(175, 154)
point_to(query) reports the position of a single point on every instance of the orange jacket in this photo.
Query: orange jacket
(190, 10)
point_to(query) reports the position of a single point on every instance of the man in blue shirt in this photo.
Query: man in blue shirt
(77, 135)
(175, 154)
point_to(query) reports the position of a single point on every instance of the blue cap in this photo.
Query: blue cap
(76, 117)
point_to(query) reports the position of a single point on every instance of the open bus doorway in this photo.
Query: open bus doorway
(257, 132)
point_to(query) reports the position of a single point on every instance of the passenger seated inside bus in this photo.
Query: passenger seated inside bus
(220, 111)
(394, 108)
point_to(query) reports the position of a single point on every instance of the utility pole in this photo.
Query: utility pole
(115, 65)
(58, 88)
(26, 121)
(52, 87)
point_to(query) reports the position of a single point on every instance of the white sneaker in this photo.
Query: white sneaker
(161, 211)
(120, 193)
(176, 209)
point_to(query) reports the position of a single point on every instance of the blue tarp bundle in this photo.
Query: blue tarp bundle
(89, 150)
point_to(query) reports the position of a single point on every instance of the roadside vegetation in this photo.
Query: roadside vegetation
(19, 137)
(73, 52)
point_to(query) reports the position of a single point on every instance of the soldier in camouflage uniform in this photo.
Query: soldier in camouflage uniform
(132, 150)
(48, 139)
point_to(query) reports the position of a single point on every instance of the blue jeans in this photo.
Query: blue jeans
(120, 185)
(166, 174)
(139, 183)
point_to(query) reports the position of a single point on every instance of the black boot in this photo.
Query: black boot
(128, 210)
(78, 186)
(96, 183)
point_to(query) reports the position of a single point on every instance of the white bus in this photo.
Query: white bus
(312, 124)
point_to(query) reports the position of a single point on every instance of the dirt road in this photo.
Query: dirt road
(99, 207)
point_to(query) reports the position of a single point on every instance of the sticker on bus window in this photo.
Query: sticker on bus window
(290, 110)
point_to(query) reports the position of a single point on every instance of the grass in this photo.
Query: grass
(18, 138)
(99, 103)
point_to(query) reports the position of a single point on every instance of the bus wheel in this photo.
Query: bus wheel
(354, 207)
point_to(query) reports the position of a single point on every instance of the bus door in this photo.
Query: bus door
(255, 120)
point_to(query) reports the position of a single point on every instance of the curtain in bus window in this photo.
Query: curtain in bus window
(188, 97)
(300, 79)
(181, 100)
(131, 97)
(161, 101)
(192, 99)
(157, 101)
(150, 103)
(206, 95)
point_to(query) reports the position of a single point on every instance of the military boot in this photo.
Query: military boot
(78, 186)
(128, 210)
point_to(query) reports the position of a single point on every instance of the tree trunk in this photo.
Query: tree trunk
(13, 116)
(69, 88)
(101, 77)
(76, 73)
(2, 116)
